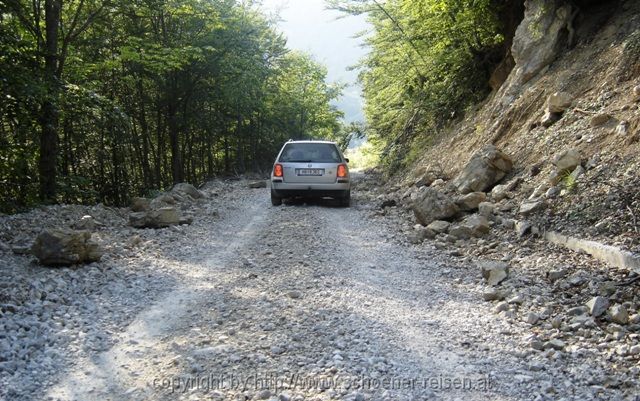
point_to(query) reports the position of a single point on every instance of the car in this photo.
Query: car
(310, 169)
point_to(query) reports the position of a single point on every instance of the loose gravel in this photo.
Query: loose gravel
(251, 302)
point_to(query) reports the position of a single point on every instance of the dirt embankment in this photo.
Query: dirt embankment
(598, 71)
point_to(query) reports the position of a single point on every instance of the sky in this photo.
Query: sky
(309, 27)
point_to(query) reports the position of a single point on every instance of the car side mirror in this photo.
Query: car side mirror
(346, 159)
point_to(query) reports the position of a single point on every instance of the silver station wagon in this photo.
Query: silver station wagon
(310, 169)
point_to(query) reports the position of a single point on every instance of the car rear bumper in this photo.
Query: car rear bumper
(336, 190)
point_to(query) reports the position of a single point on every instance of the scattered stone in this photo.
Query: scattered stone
(559, 102)
(419, 234)
(460, 232)
(619, 314)
(552, 192)
(156, 218)
(471, 201)
(257, 184)
(494, 272)
(66, 248)
(486, 168)
(517, 300)
(86, 223)
(439, 226)
(523, 228)
(549, 118)
(188, 189)
(555, 344)
(477, 225)
(493, 295)
(532, 318)
(597, 306)
(294, 294)
(140, 204)
(600, 119)
(502, 307)
(487, 209)
(432, 205)
(623, 128)
(388, 203)
(567, 160)
(529, 207)
(557, 274)
(636, 93)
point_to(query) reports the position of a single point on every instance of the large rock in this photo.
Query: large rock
(65, 248)
(188, 189)
(431, 205)
(471, 201)
(486, 168)
(156, 218)
(494, 272)
(535, 44)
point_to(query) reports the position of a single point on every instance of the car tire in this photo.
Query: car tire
(275, 199)
(346, 200)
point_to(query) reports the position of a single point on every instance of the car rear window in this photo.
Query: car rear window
(310, 153)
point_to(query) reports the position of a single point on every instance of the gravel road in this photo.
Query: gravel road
(299, 302)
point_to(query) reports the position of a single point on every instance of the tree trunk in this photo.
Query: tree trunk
(49, 109)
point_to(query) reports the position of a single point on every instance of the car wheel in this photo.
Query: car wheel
(346, 200)
(275, 199)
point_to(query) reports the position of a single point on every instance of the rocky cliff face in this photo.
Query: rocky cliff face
(574, 90)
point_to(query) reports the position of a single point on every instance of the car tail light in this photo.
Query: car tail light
(277, 170)
(342, 171)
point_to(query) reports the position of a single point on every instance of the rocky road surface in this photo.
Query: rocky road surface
(253, 302)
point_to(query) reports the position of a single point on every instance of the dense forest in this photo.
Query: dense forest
(105, 99)
(429, 61)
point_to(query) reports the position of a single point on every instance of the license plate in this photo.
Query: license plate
(310, 171)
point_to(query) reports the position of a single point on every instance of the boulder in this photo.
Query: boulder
(471, 201)
(65, 248)
(157, 218)
(140, 204)
(622, 128)
(257, 184)
(187, 189)
(486, 168)
(567, 160)
(559, 102)
(494, 272)
(431, 205)
(536, 41)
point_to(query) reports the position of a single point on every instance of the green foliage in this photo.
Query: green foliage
(429, 60)
(151, 92)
